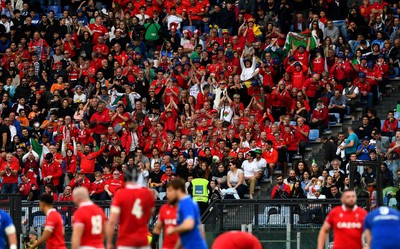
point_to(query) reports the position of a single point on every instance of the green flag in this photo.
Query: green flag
(41, 150)
(299, 39)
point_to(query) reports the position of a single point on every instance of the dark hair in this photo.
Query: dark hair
(177, 184)
(269, 142)
(47, 198)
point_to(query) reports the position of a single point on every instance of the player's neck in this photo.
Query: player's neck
(47, 209)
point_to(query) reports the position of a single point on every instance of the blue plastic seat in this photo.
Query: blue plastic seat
(314, 135)
(55, 8)
(337, 115)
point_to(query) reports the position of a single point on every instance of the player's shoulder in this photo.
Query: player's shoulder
(362, 211)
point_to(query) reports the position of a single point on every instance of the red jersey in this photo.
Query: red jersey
(135, 205)
(92, 218)
(167, 216)
(98, 30)
(236, 240)
(54, 223)
(347, 227)
(115, 185)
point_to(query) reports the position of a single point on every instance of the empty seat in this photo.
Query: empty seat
(55, 8)
(293, 123)
(275, 219)
(382, 122)
(314, 134)
(39, 221)
(337, 116)
(268, 208)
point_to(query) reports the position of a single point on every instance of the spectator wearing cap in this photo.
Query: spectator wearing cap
(341, 70)
(298, 71)
(363, 149)
(310, 88)
(232, 64)
(364, 87)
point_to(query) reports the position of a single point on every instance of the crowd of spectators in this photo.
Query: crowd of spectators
(194, 89)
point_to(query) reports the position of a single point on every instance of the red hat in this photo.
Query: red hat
(214, 111)
(43, 57)
(214, 56)
(58, 63)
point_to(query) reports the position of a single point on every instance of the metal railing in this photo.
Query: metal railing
(269, 214)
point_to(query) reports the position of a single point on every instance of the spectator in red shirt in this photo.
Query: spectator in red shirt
(96, 29)
(280, 190)
(390, 125)
(52, 171)
(319, 117)
(298, 72)
(301, 134)
(97, 187)
(28, 189)
(113, 185)
(100, 121)
(280, 98)
(80, 180)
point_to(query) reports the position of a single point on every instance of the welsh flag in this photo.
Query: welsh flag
(116, 96)
(300, 39)
(39, 149)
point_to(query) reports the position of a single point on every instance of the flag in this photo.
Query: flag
(39, 149)
(299, 39)
(127, 100)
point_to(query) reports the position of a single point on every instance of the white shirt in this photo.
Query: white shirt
(262, 163)
(175, 19)
(250, 169)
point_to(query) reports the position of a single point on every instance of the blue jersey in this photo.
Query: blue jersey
(384, 225)
(188, 209)
(6, 227)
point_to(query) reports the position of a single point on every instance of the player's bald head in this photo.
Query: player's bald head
(80, 194)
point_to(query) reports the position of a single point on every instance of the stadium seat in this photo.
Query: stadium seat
(39, 221)
(382, 122)
(337, 115)
(35, 20)
(293, 123)
(190, 28)
(161, 195)
(275, 219)
(314, 134)
(55, 8)
(396, 115)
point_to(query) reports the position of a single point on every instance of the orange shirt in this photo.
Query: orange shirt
(271, 156)
(56, 87)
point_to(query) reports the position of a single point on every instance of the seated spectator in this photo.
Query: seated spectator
(381, 143)
(167, 176)
(220, 177)
(363, 150)
(80, 180)
(301, 134)
(235, 180)
(337, 104)
(251, 172)
(365, 130)
(28, 189)
(97, 187)
(113, 185)
(351, 92)
(335, 193)
(297, 192)
(386, 176)
(280, 190)
(390, 124)
(155, 177)
(291, 179)
(319, 117)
